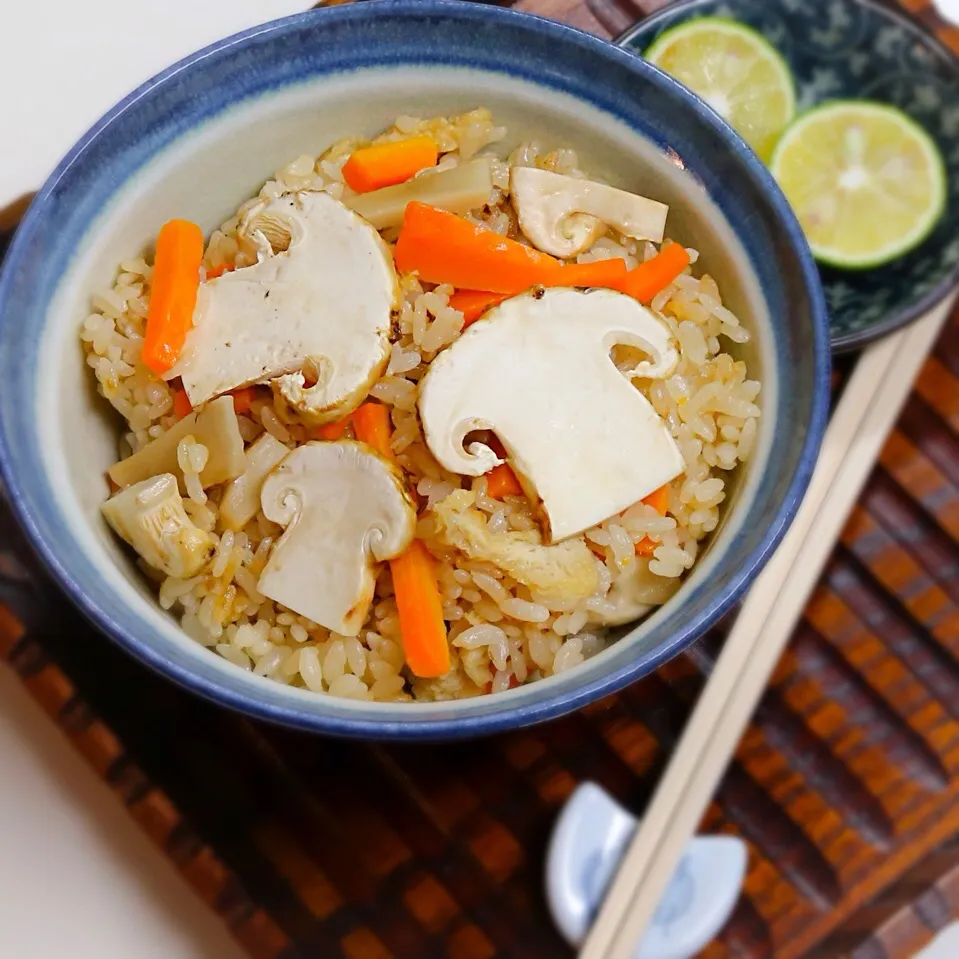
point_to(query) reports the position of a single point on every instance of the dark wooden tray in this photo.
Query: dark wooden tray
(845, 786)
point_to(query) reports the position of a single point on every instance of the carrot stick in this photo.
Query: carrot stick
(444, 248)
(474, 303)
(417, 591)
(332, 431)
(242, 398)
(420, 609)
(659, 500)
(371, 422)
(501, 481)
(176, 279)
(599, 273)
(385, 164)
(181, 404)
(653, 276)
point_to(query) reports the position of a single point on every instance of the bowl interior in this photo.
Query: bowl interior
(857, 49)
(202, 138)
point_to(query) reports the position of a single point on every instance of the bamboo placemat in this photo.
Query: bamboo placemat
(846, 786)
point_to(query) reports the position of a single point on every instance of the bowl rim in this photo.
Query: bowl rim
(505, 716)
(847, 342)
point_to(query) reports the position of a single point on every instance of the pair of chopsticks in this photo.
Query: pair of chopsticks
(868, 408)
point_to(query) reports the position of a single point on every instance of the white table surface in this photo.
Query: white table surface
(64, 63)
(78, 879)
(949, 9)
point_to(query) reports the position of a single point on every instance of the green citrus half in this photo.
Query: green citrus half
(736, 71)
(865, 180)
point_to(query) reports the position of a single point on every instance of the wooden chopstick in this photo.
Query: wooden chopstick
(859, 426)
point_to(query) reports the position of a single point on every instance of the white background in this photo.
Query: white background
(63, 63)
(77, 877)
(949, 9)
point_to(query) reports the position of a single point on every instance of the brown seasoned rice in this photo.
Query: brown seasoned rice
(501, 632)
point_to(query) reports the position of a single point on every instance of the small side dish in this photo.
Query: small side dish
(866, 181)
(421, 421)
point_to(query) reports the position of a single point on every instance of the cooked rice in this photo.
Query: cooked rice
(501, 633)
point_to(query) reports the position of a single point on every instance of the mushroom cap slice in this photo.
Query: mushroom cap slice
(150, 517)
(564, 215)
(318, 310)
(345, 508)
(537, 371)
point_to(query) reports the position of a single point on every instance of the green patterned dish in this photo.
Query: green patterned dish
(849, 49)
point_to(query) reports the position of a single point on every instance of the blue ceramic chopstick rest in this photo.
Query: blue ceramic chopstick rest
(589, 841)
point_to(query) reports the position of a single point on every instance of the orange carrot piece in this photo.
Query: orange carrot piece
(332, 431)
(659, 500)
(486, 267)
(242, 398)
(599, 273)
(215, 271)
(420, 610)
(371, 421)
(444, 248)
(176, 279)
(386, 164)
(181, 404)
(501, 481)
(656, 274)
(474, 303)
(417, 591)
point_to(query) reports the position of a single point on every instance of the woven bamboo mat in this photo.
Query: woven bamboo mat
(846, 785)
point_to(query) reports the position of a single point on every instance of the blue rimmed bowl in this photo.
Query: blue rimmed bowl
(198, 139)
(860, 49)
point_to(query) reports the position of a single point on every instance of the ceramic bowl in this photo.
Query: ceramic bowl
(858, 49)
(201, 137)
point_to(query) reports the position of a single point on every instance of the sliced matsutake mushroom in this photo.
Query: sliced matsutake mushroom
(564, 215)
(566, 570)
(151, 518)
(345, 508)
(634, 594)
(537, 371)
(215, 427)
(316, 306)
